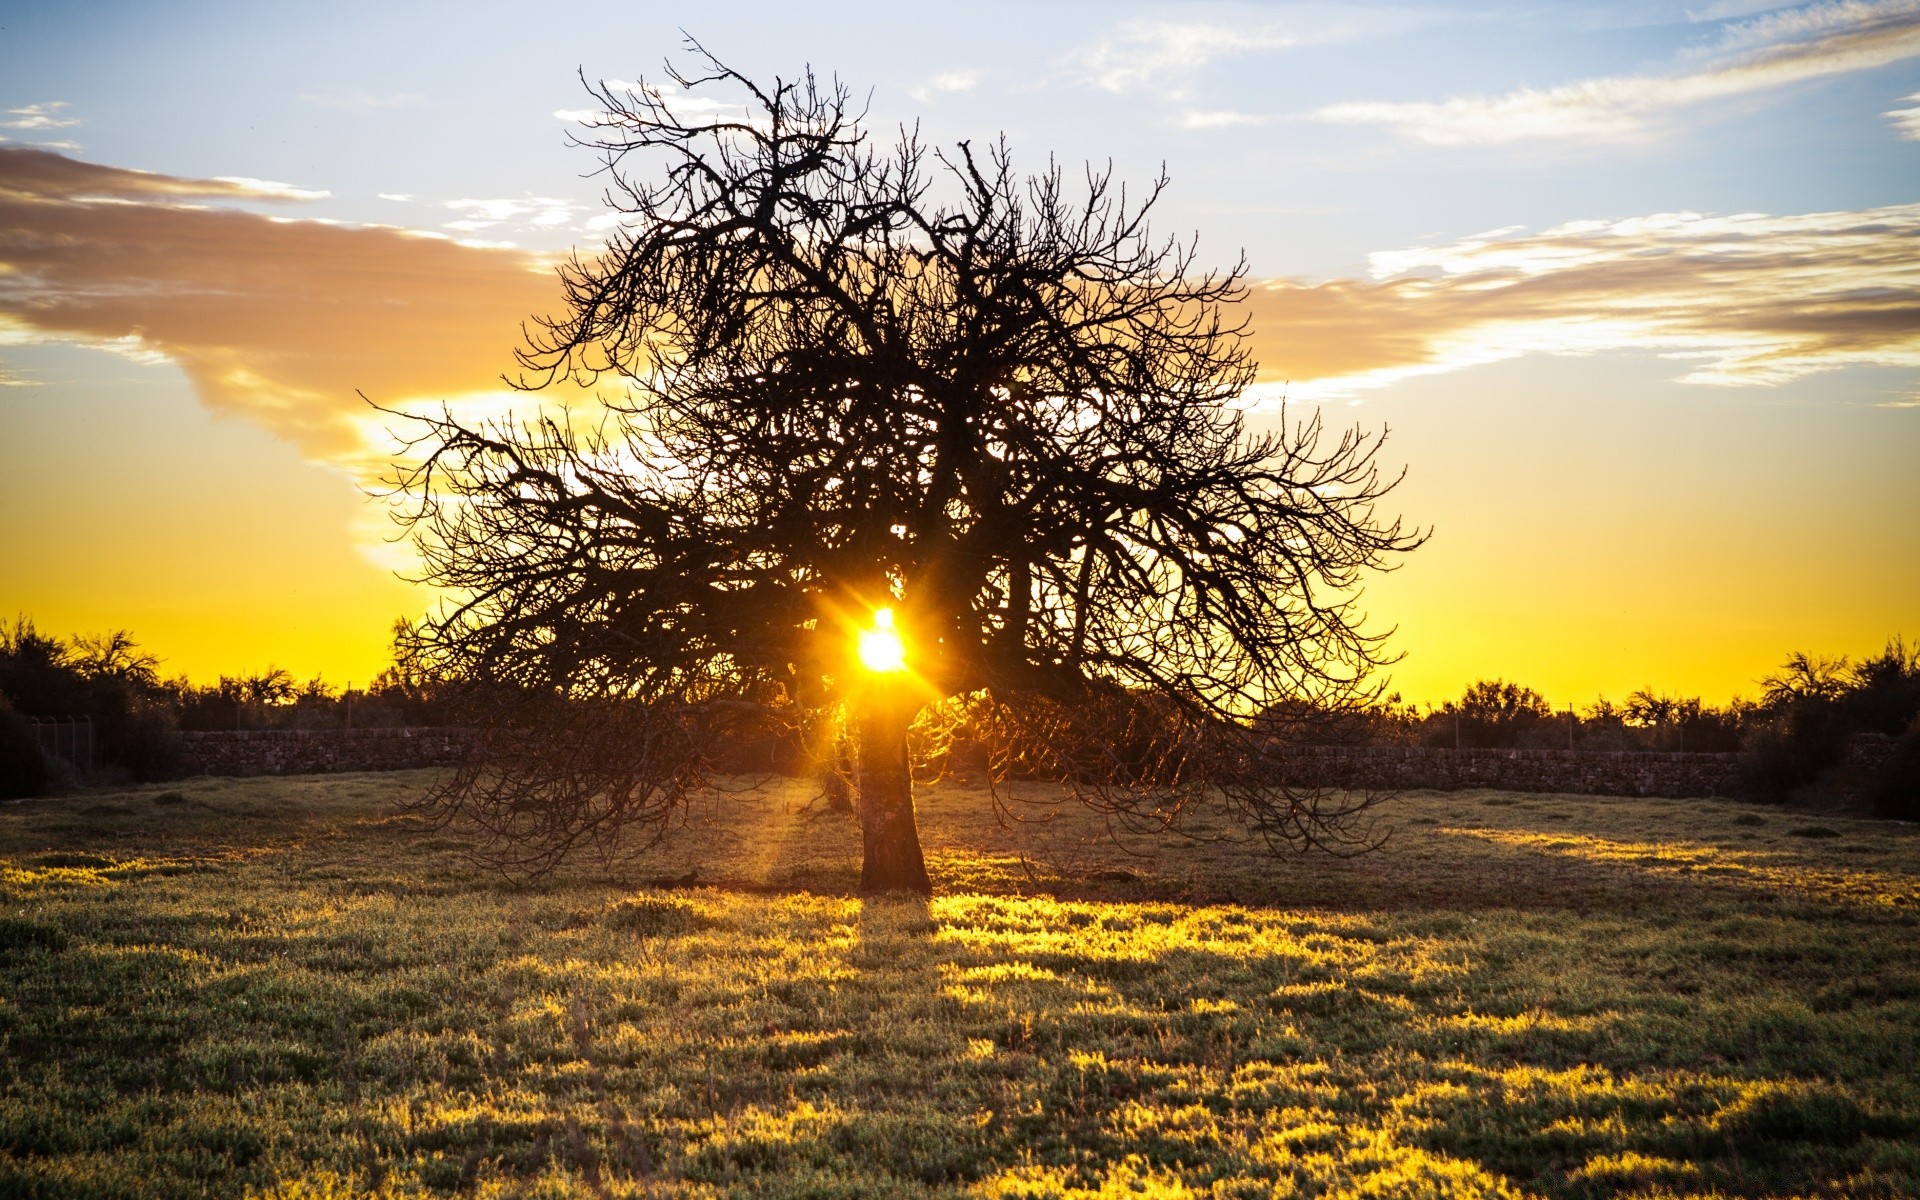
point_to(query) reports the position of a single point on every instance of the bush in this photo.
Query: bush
(1895, 790)
(1788, 753)
(1493, 714)
(656, 916)
(142, 740)
(23, 770)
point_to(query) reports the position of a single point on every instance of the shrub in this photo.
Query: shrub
(142, 739)
(1492, 713)
(23, 771)
(1789, 752)
(655, 916)
(1895, 790)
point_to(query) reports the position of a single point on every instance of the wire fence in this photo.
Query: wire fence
(69, 739)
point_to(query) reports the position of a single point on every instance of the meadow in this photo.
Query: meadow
(288, 988)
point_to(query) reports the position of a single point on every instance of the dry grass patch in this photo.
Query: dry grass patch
(281, 988)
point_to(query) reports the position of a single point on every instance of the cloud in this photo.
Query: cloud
(10, 380)
(40, 116)
(33, 174)
(1748, 299)
(274, 320)
(947, 81)
(62, 144)
(539, 212)
(1163, 55)
(1224, 119)
(689, 106)
(278, 321)
(360, 103)
(1735, 8)
(1760, 55)
(1906, 121)
(269, 189)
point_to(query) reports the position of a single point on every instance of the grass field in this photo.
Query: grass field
(281, 988)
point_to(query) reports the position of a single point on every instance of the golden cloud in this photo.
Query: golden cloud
(281, 321)
(1772, 52)
(276, 320)
(1746, 299)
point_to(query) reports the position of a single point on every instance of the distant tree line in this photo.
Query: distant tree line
(1794, 735)
(110, 681)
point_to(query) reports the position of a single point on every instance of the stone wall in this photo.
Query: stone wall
(321, 751)
(1593, 772)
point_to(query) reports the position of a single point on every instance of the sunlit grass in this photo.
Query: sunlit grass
(278, 988)
(1788, 870)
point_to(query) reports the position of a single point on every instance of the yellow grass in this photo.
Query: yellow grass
(281, 988)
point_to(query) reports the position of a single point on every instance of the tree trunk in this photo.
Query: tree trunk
(890, 839)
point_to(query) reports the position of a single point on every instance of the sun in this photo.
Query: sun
(881, 650)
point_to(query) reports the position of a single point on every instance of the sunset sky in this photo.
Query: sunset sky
(1635, 286)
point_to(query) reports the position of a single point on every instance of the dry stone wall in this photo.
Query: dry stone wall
(321, 751)
(1592, 772)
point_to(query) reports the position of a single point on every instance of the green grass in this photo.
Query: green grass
(280, 988)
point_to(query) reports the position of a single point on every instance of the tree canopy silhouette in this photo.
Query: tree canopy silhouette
(859, 377)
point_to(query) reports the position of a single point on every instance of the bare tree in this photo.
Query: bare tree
(856, 379)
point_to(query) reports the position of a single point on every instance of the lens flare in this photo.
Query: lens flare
(881, 650)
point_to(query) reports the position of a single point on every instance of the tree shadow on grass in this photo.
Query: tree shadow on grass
(783, 1038)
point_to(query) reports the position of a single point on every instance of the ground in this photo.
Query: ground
(287, 988)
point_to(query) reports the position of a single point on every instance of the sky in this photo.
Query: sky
(1634, 288)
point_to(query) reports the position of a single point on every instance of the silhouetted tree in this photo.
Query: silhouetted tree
(106, 678)
(115, 656)
(1883, 692)
(860, 378)
(1814, 704)
(1805, 678)
(1490, 713)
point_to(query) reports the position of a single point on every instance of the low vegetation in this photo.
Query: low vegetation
(109, 681)
(282, 988)
(1795, 737)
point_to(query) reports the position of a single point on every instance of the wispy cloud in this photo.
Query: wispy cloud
(537, 212)
(1224, 119)
(272, 189)
(686, 105)
(1749, 299)
(62, 144)
(1906, 120)
(947, 81)
(272, 319)
(40, 116)
(360, 103)
(34, 174)
(1760, 55)
(1162, 56)
(1728, 9)
(8, 379)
